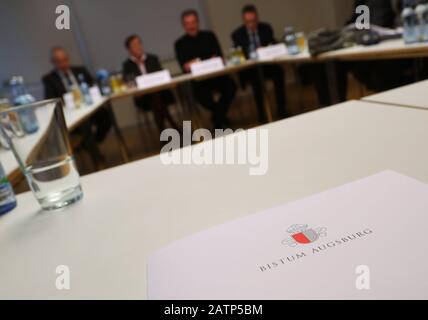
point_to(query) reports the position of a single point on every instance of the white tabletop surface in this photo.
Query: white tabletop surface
(301, 57)
(414, 95)
(383, 50)
(8, 161)
(135, 209)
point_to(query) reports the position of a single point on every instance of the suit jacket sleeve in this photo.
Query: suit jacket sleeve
(88, 78)
(49, 91)
(180, 54)
(127, 69)
(156, 63)
(270, 34)
(354, 15)
(241, 39)
(216, 46)
(235, 39)
(86, 75)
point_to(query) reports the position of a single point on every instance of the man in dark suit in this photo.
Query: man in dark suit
(56, 83)
(385, 74)
(250, 36)
(60, 81)
(198, 45)
(139, 63)
(377, 75)
(382, 12)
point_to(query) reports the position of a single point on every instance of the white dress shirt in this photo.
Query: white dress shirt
(70, 82)
(141, 63)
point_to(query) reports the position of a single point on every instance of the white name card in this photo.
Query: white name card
(69, 101)
(207, 66)
(95, 94)
(272, 52)
(153, 79)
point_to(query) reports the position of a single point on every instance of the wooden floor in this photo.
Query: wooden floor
(143, 141)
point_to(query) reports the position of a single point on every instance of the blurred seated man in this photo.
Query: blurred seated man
(376, 75)
(60, 81)
(198, 45)
(382, 12)
(140, 63)
(384, 74)
(250, 36)
(381, 75)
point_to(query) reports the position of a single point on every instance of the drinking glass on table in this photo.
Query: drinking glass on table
(45, 157)
(301, 41)
(77, 96)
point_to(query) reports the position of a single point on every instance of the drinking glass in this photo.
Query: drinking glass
(45, 156)
(301, 41)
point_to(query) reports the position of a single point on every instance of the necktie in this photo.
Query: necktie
(68, 79)
(142, 66)
(254, 40)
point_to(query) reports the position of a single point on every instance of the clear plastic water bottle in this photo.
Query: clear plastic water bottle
(291, 41)
(15, 123)
(84, 88)
(422, 14)
(20, 97)
(103, 81)
(410, 23)
(252, 52)
(7, 196)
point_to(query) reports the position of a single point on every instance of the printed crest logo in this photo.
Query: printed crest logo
(301, 234)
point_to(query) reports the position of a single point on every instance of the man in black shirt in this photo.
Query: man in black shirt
(250, 36)
(198, 45)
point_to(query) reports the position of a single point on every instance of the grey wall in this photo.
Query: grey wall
(26, 33)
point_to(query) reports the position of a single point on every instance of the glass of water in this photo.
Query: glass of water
(45, 156)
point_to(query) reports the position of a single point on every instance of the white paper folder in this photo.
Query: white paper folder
(364, 240)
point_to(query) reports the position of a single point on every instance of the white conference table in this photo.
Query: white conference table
(390, 49)
(135, 209)
(384, 50)
(414, 96)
